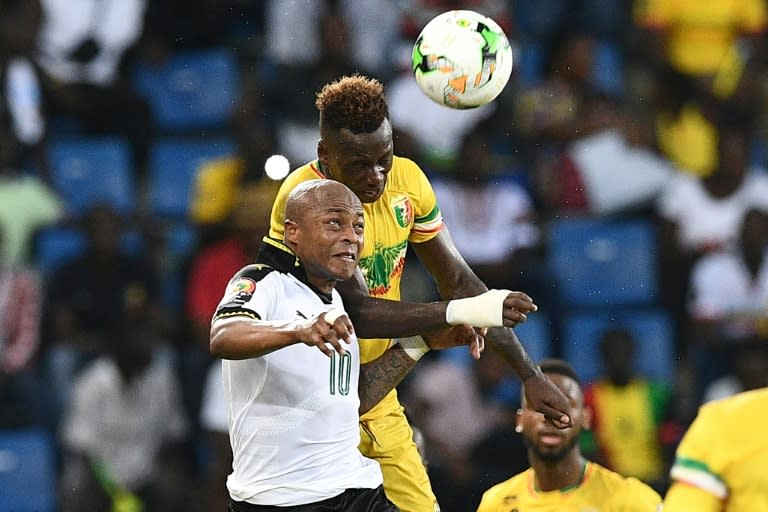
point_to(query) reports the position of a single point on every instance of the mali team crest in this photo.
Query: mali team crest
(403, 210)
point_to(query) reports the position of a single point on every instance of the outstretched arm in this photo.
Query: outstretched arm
(456, 279)
(385, 318)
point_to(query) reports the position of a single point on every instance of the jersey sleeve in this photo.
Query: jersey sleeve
(696, 461)
(248, 295)
(682, 497)
(428, 221)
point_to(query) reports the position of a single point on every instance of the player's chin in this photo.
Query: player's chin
(342, 269)
(370, 196)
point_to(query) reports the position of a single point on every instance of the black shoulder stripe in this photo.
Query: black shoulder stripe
(231, 311)
(254, 271)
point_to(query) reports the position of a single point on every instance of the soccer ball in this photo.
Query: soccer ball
(462, 59)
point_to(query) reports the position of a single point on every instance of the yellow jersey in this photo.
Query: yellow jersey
(700, 34)
(407, 211)
(600, 490)
(724, 454)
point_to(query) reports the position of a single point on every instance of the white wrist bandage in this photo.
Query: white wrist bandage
(415, 347)
(484, 310)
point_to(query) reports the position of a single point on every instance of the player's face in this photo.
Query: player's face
(361, 161)
(542, 439)
(329, 239)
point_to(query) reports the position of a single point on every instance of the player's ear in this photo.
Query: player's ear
(291, 231)
(322, 153)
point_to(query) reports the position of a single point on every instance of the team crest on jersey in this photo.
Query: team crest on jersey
(240, 290)
(403, 211)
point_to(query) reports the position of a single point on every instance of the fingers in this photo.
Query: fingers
(328, 331)
(477, 346)
(516, 307)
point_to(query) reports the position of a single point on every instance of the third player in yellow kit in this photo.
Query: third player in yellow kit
(356, 148)
(560, 478)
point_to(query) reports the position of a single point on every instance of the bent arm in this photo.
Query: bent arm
(244, 338)
(455, 279)
(384, 318)
(683, 496)
(382, 375)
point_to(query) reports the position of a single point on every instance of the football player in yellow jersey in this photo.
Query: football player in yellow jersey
(720, 465)
(560, 479)
(356, 148)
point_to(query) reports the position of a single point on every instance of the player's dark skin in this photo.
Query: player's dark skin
(362, 162)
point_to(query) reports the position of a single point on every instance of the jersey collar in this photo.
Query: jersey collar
(276, 254)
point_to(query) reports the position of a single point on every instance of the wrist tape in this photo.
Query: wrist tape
(484, 310)
(414, 346)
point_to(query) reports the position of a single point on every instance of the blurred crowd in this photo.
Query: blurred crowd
(113, 255)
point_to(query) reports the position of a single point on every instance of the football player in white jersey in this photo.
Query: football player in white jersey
(291, 366)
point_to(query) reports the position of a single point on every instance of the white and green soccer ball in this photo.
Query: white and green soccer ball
(462, 59)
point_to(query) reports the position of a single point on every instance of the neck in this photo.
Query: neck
(323, 284)
(553, 476)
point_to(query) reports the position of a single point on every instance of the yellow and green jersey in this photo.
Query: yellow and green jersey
(724, 453)
(600, 490)
(406, 212)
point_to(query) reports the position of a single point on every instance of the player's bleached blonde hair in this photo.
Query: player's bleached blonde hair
(354, 102)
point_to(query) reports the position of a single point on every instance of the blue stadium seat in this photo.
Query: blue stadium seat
(56, 245)
(604, 262)
(652, 330)
(173, 164)
(89, 170)
(194, 89)
(27, 471)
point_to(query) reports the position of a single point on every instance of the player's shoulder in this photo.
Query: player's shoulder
(306, 172)
(635, 494)
(255, 272)
(505, 491)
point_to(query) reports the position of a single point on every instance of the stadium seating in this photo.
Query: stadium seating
(603, 262)
(193, 89)
(173, 164)
(90, 170)
(651, 329)
(27, 471)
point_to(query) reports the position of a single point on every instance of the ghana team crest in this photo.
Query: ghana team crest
(403, 210)
(240, 290)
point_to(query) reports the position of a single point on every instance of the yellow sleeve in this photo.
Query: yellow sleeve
(490, 501)
(277, 217)
(683, 498)
(752, 16)
(653, 14)
(428, 221)
(700, 456)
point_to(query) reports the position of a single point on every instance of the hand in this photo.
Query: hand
(455, 336)
(547, 399)
(517, 305)
(329, 328)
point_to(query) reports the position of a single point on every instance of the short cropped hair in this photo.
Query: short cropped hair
(354, 102)
(559, 367)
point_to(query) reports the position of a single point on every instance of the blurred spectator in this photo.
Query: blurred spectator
(87, 294)
(122, 433)
(491, 216)
(728, 297)
(20, 316)
(454, 406)
(697, 38)
(628, 410)
(748, 369)
(699, 216)
(297, 130)
(82, 50)
(21, 109)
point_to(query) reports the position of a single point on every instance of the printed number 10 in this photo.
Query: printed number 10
(341, 371)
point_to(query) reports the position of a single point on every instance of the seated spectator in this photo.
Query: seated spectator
(728, 296)
(82, 50)
(699, 216)
(122, 432)
(491, 216)
(21, 300)
(86, 292)
(628, 410)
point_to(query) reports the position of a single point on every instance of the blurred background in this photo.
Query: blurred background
(619, 180)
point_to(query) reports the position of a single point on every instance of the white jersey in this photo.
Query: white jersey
(293, 413)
